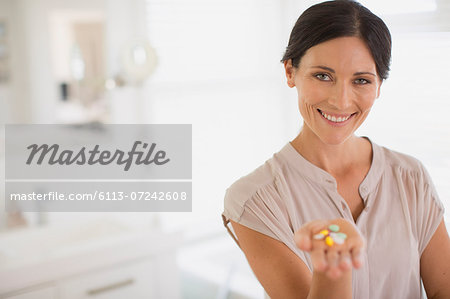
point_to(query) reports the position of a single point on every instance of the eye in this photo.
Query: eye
(322, 77)
(362, 81)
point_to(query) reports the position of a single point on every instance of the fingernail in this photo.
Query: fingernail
(347, 262)
(359, 261)
(301, 240)
(320, 266)
(298, 239)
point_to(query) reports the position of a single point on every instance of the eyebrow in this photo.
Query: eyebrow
(333, 71)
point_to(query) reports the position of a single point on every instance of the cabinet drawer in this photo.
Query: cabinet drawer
(134, 280)
(45, 292)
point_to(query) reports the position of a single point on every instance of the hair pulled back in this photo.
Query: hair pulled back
(340, 18)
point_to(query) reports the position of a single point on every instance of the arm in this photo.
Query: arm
(435, 264)
(283, 274)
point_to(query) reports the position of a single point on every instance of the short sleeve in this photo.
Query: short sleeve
(430, 210)
(264, 212)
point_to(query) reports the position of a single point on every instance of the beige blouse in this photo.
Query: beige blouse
(402, 212)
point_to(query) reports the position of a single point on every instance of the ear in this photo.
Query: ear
(290, 72)
(378, 89)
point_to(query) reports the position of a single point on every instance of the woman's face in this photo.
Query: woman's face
(337, 84)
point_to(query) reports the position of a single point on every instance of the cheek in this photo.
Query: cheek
(306, 101)
(310, 94)
(367, 101)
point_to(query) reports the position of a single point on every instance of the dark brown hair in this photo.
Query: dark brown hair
(332, 19)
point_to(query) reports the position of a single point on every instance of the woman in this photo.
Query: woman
(327, 182)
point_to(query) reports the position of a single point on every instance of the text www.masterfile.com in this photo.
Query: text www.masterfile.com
(100, 195)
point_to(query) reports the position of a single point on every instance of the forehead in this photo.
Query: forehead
(341, 54)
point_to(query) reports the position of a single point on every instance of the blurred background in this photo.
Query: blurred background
(210, 63)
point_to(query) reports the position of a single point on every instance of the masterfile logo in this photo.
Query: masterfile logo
(91, 157)
(156, 151)
(101, 168)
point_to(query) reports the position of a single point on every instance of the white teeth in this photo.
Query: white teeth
(334, 119)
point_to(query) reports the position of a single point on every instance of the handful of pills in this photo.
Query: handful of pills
(331, 235)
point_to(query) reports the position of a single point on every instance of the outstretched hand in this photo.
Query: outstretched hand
(336, 259)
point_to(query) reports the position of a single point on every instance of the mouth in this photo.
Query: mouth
(336, 118)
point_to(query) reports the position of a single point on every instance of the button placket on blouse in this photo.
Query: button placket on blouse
(338, 200)
(362, 218)
(364, 193)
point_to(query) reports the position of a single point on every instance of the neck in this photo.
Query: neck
(335, 159)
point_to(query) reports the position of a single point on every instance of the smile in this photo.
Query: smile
(335, 118)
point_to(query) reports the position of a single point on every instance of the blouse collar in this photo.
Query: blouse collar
(318, 175)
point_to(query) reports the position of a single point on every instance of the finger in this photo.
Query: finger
(303, 241)
(355, 248)
(345, 262)
(332, 259)
(318, 259)
(303, 236)
(356, 257)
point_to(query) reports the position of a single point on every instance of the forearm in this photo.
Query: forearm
(324, 287)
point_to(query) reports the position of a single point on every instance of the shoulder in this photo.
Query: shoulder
(250, 183)
(244, 189)
(401, 161)
(403, 173)
(413, 177)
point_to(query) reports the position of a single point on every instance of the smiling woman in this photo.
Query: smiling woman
(328, 182)
(336, 89)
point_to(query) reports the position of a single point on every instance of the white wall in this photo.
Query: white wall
(16, 104)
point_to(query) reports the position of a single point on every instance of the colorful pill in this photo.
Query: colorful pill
(336, 238)
(334, 235)
(339, 241)
(324, 232)
(331, 236)
(334, 228)
(342, 235)
(329, 241)
(318, 236)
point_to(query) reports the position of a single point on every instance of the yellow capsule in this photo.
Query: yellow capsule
(329, 241)
(324, 232)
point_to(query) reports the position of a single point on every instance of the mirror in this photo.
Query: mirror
(139, 61)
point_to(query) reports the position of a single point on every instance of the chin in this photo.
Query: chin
(334, 139)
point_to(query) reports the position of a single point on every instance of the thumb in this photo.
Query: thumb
(302, 236)
(303, 241)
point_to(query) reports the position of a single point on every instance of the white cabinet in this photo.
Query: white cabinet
(133, 265)
(143, 278)
(45, 292)
(136, 280)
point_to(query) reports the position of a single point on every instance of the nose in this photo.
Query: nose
(341, 97)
